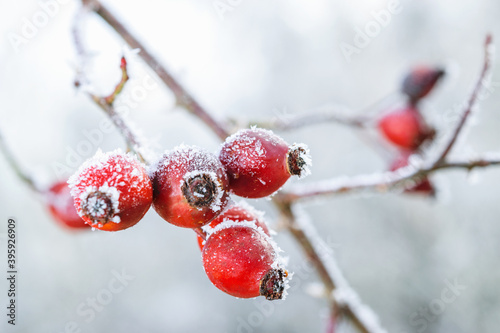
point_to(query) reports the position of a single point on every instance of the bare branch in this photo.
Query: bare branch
(313, 117)
(472, 100)
(381, 182)
(27, 179)
(183, 98)
(328, 271)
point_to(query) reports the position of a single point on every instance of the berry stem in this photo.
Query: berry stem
(119, 87)
(21, 174)
(200, 232)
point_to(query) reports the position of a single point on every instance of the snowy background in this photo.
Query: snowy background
(265, 59)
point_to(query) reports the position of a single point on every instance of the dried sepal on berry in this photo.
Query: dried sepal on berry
(111, 191)
(259, 162)
(241, 260)
(190, 186)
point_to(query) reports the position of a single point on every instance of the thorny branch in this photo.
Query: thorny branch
(285, 200)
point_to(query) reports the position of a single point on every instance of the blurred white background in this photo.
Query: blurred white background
(265, 59)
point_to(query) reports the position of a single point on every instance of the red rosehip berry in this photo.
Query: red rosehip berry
(259, 162)
(189, 187)
(420, 81)
(422, 186)
(112, 191)
(62, 208)
(405, 128)
(240, 212)
(241, 261)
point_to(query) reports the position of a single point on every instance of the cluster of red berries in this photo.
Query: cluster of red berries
(406, 128)
(190, 187)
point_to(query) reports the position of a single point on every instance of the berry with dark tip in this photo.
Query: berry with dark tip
(420, 81)
(241, 261)
(259, 162)
(190, 187)
(111, 191)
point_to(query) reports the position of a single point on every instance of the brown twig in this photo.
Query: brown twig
(200, 232)
(119, 87)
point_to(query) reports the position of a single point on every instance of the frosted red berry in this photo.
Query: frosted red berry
(422, 186)
(405, 128)
(190, 187)
(111, 191)
(420, 81)
(259, 162)
(240, 260)
(238, 213)
(62, 208)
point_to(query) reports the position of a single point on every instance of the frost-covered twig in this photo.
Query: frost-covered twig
(27, 179)
(183, 98)
(472, 100)
(106, 102)
(336, 286)
(382, 182)
(312, 117)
